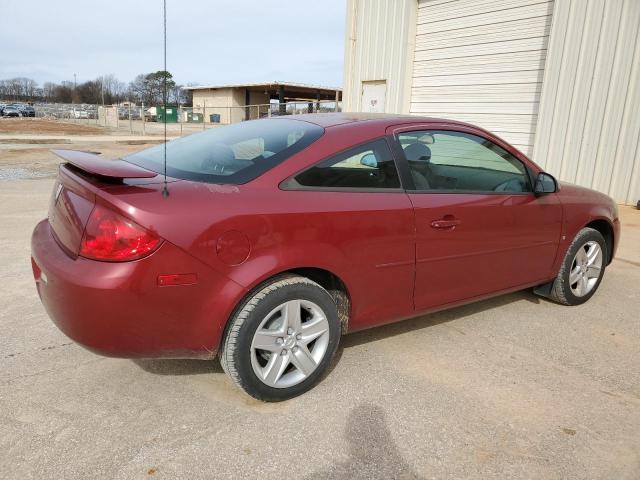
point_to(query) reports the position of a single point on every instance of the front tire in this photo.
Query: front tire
(280, 340)
(582, 268)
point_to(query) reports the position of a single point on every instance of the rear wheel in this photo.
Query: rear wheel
(582, 269)
(281, 340)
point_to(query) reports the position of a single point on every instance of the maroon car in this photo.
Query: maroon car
(275, 237)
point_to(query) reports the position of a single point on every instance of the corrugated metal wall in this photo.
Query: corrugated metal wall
(589, 119)
(569, 93)
(379, 46)
(482, 61)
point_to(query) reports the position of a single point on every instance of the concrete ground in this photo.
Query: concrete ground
(513, 387)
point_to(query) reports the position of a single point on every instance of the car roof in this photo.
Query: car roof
(327, 120)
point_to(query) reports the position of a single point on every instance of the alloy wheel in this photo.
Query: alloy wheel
(290, 343)
(585, 269)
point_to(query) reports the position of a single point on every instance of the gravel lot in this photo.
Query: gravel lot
(73, 127)
(41, 127)
(513, 387)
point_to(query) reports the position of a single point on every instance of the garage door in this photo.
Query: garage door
(482, 61)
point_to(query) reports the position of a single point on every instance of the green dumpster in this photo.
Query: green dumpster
(167, 114)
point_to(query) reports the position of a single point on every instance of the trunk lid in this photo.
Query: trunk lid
(74, 193)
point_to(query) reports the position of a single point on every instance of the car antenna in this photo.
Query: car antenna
(165, 190)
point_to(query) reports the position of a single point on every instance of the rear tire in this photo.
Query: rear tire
(582, 269)
(281, 339)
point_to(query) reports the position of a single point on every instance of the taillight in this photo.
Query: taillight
(111, 237)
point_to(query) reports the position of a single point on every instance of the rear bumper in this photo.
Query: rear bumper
(119, 310)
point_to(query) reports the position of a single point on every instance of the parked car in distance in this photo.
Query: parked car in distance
(27, 111)
(10, 111)
(79, 113)
(269, 239)
(151, 114)
(125, 112)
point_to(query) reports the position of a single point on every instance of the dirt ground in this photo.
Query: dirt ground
(38, 126)
(88, 127)
(511, 387)
(37, 161)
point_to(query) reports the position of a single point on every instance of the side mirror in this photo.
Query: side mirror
(369, 160)
(545, 183)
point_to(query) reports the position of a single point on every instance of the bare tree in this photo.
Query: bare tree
(28, 87)
(48, 91)
(147, 88)
(64, 93)
(14, 88)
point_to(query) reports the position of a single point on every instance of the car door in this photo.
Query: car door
(479, 227)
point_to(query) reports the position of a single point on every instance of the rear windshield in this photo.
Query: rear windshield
(232, 154)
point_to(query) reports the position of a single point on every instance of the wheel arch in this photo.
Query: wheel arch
(336, 287)
(327, 279)
(606, 230)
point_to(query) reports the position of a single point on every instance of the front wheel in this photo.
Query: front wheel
(582, 268)
(281, 340)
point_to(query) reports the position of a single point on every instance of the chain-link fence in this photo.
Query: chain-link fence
(65, 111)
(145, 120)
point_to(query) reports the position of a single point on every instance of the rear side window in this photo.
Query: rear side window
(367, 166)
(233, 154)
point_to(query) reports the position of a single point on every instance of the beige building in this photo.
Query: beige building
(235, 103)
(559, 80)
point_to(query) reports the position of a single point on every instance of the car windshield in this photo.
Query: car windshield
(232, 154)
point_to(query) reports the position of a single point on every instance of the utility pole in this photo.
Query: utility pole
(73, 100)
(104, 111)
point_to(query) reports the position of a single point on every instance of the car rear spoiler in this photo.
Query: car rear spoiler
(92, 163)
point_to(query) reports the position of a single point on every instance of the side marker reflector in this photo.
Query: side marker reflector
(177, 279)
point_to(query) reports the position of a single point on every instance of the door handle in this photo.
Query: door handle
(447, 222)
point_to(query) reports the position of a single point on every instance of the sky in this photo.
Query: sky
(208, 42)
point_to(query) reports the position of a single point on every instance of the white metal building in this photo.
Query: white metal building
(559, 80)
